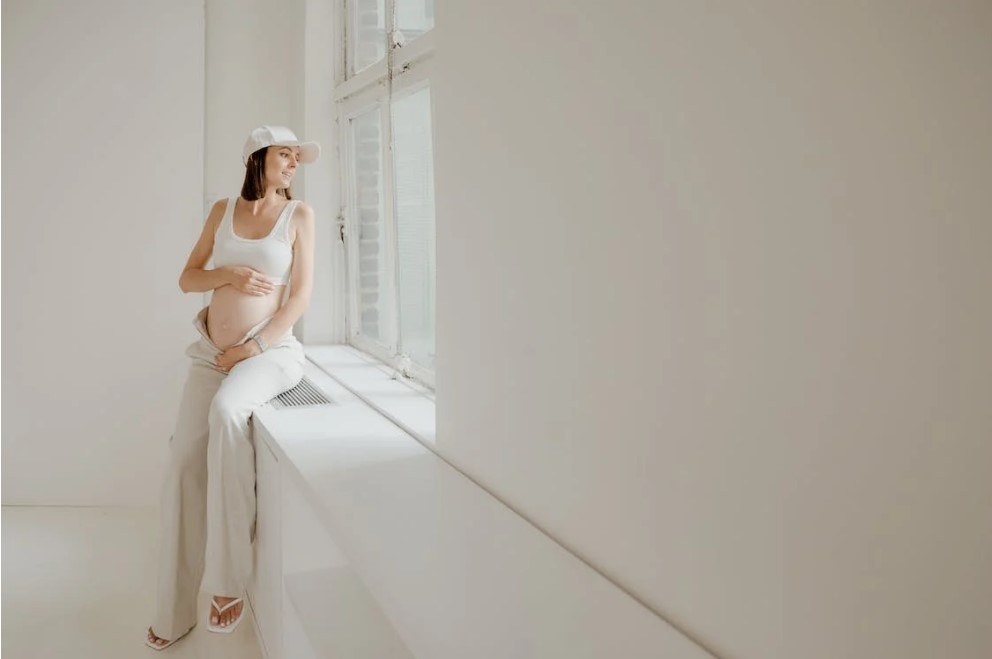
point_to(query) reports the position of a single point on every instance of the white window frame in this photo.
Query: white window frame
(404, 69)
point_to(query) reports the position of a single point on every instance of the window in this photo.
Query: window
(383, 105)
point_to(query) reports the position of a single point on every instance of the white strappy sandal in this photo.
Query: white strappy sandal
(220, 609)
(156, 646)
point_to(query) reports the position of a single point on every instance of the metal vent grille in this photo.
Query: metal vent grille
(302, 395)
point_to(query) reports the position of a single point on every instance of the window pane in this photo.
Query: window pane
(414, 174)
(414, 17)
(367, 27)
(366, 142)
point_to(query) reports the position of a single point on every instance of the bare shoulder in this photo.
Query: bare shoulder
(302, 219)
(303, 210)
(216, 213)
(204, 246)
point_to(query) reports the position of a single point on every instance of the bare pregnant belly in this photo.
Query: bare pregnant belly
(232, 313)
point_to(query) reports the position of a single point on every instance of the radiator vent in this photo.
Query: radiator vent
(302, 395)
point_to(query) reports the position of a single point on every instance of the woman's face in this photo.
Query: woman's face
(281, 163)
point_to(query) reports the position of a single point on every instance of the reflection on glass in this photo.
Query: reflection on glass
(366, 139)
(367, 25)
(414, 17)
(413, 165)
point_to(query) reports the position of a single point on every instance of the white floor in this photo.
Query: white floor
(80, 583)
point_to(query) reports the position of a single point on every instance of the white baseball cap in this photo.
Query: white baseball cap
(278, 136)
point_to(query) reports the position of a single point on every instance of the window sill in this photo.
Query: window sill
(352, 507)
(406, 403)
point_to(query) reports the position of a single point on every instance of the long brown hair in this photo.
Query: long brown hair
(254, 186)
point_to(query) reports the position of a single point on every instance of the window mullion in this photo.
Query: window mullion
(392, 230)
(389, 224)
(343, 34)
(390, 25)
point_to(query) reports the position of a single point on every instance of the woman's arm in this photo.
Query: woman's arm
(197, 280)
(194, 278)
(301, 283)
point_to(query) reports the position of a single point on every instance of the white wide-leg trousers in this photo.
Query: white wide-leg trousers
(208, 495)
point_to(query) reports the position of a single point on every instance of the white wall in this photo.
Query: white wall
(254, 70)
(713, 290)
(102, 186)
(136, 114)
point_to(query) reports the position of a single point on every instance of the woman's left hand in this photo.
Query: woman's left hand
(227, 359)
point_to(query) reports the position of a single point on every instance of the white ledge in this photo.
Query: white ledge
(456, 572)
(407, 404)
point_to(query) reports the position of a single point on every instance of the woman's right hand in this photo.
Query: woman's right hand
(249, 281)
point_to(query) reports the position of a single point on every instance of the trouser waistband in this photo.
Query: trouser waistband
(200, 323)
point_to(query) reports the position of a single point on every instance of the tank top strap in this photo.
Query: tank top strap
(282, 231)
(228, 218)
(222, 225)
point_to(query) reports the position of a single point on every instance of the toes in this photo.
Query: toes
(155, 639)
(230, 615)
(227, 617)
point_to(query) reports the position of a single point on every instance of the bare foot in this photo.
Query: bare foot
(228, 616)
(155, 639)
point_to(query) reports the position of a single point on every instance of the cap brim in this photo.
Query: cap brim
(309, 152)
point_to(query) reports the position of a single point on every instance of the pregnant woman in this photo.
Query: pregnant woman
(260, 241)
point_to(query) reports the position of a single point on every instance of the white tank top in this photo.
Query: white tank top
(271, 255)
